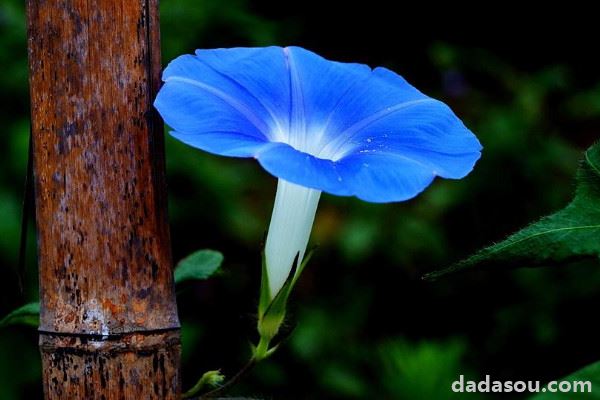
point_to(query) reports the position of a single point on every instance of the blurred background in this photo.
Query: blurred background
(367, 325)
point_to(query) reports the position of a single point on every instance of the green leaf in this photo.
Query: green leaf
(590, 374)
(567, 235)
(29, 314)
(199, 265)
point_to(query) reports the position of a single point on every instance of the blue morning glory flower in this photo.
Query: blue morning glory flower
(317, 125)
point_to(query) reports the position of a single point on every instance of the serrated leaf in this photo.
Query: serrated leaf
(29, 314)
(567, 235)
(591, 374)
(199, 265)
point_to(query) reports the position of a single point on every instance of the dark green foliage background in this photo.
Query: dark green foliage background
(368, 327)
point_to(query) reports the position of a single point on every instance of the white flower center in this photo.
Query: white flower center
(314, 143)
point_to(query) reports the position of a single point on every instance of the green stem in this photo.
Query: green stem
(262, 349)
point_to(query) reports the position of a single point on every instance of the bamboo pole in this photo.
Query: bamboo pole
(108, 323)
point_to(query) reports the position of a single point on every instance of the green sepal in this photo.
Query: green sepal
(28, 314)
(265, 291)
(300, 269)
(273, 316)
(271, 313)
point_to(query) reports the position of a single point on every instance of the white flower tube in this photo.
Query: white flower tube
(289, 230)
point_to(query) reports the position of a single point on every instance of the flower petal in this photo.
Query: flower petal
(285, 162)
(382, 178)
(427, 132)
(197, 114)
(318, 86)
(217, 91)
(375, 177)
(224, 143)
(260, 76)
